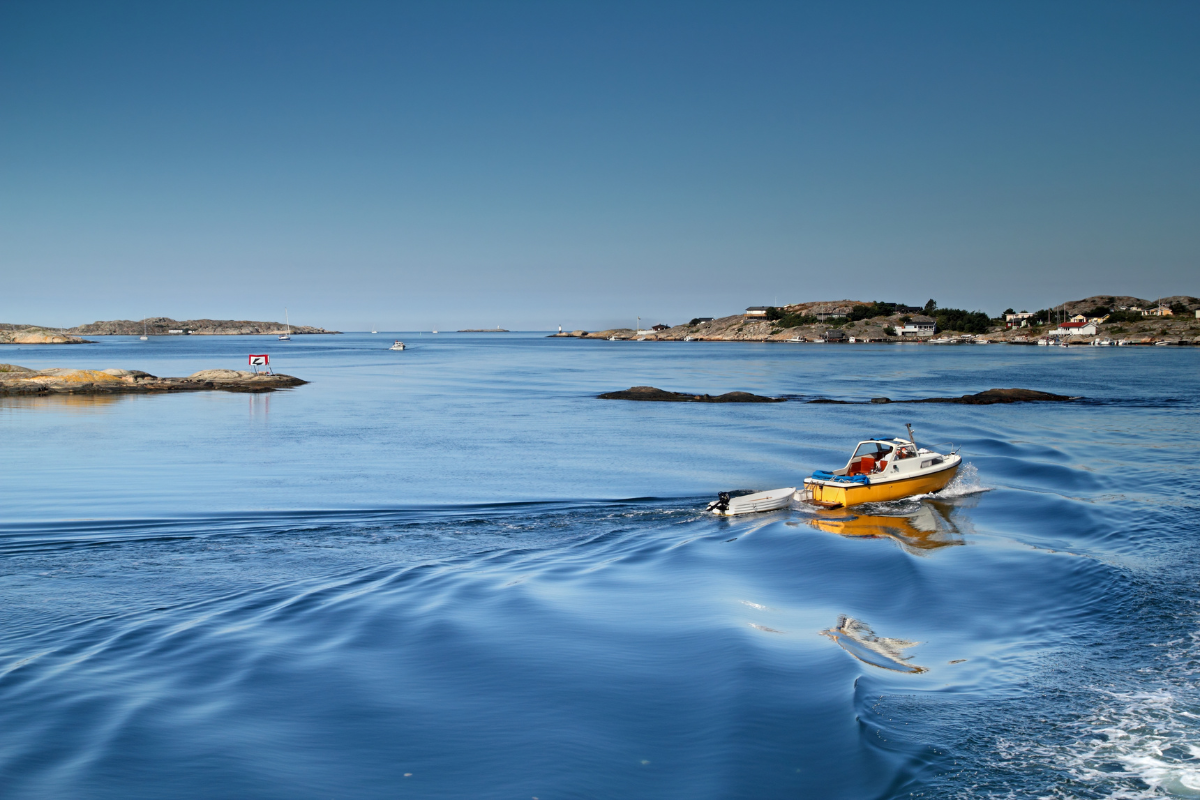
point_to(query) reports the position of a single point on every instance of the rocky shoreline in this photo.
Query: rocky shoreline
(22, 381)
(39, 336)
(1175, 330)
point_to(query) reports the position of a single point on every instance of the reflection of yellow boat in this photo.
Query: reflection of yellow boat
(880, 470)
(928, 528)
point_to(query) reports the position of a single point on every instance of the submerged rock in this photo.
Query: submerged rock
(649, 393)
(990, 397)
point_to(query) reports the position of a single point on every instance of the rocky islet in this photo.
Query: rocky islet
(22, 381)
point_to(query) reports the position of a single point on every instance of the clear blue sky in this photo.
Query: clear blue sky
(452, 164)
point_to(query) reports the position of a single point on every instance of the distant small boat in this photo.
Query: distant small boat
(399, 345)
(284, 337)
(689, 338)
(143, 337)
(1161, 344)
(435, 331)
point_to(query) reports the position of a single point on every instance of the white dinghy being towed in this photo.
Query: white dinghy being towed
(772, 500)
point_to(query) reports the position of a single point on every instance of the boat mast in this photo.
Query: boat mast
(911, 438)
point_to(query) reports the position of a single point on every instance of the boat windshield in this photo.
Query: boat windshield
(877, 450)
(869, 457)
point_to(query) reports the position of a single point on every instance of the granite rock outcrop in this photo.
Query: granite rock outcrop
(651, 394)
(16, 380)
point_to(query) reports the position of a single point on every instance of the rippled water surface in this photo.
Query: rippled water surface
(452, 572)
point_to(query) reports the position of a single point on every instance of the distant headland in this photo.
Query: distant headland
(151, 326)
(1100, 319)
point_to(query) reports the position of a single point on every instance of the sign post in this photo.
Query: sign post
(263, 360)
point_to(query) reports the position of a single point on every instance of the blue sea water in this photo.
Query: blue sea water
(452, 572)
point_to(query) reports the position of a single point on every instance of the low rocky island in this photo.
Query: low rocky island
(22, 381)
(165, 326)
(649, 393)
(987, 398)
(34, 335)
(151, 326)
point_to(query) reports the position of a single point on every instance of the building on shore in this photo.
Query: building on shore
(756, 311)
(917, 327)
(1075, 329)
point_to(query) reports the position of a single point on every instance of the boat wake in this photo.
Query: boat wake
(1132, 743)
(965, 483)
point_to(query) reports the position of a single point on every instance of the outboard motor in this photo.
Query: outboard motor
(721, 504)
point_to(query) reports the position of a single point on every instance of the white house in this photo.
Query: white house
(1075, 329)
(918, 326)
(756, 311)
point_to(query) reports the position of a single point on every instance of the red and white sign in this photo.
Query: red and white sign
(260, 361)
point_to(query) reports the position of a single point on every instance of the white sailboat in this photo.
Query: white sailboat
(143, 337)
(284, 337)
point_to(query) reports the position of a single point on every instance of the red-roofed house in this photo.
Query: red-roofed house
(1075, 329)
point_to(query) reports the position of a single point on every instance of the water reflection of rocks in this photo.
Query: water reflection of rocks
(929, 526)
(64, 402)
(857, 639)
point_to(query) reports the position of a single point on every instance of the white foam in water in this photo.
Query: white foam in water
(1134, 744)
(1150, 735)
(965, 482)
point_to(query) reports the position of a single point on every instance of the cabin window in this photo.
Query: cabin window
(930, 462)
(875, 450)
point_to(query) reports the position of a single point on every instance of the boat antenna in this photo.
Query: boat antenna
(911, 438)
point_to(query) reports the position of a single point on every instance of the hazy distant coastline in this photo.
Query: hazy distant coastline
(153, 326)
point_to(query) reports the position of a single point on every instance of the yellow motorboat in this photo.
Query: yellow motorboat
(880, 470)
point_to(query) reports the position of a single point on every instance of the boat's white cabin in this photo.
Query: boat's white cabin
(893, 457)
